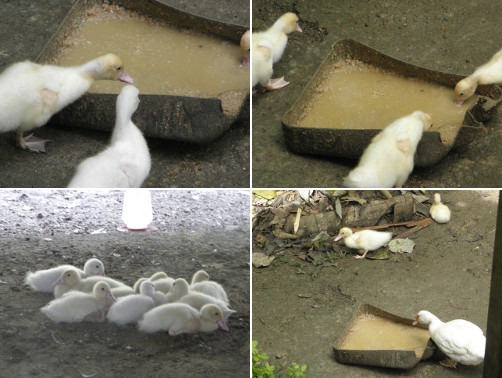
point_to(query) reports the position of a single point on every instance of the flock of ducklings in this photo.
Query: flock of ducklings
(157, 303)
(389, 158)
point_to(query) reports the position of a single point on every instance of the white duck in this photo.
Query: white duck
(70, 280)
(31, 93)
(179, 289)
(366, 240)
(131, 308)
(488, 73)
(77, 306)
(123, 291)
(277, 34)
(389, 158)
(245, 45)
(439, 212)
(198, 300)
(211, 288)
(42, 280)
(460, 340)
(126, 162)
(178, 318)
(199, 276)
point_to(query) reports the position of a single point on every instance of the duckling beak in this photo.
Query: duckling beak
(246, 61)
(60, 281)
(459, 102)
(101, 273)
(110, 297)
(298, 28)
(222, 324)
(338, 237)
(124, 76)
(416, 321)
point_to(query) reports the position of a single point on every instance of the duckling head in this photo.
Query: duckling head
(344, 233)
(102, 290)
(110, 67)
(69, 277)
(246, 48)
(464, 89)
(213, 313)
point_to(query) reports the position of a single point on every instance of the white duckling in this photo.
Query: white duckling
(460, 340)
(245, 45)
(77, 306)
(439, 212)
(199, 276)
(389, 158)
(488, 73)
(366, 240)
(70, 280)
(123, 291)
(42, 280)
(277, 34)
(126, 162)
(178, 318)
(211, 288)
(197, 300)
(179, 289)
(31, 93)
(131, 308)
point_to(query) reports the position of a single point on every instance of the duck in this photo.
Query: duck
(42, 280)
(31, 93)
(366, 240)
(199, 276)
(389, 158)
(197, 300)
(462, 341)
(211, 288)
(277, 34)
(245, 44)
(77, 306)
(178, 318)
(179, 288)
(70, 280)
(439, 212)
(123, 291)
(263, 67)
(131, 308)
(125, 163)
(488, 73)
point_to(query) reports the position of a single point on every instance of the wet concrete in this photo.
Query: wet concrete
(26, 28)
(450, 36)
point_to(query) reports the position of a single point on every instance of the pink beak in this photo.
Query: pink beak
(298, 28)
(246, 61)
(415, 322)
(222, 324)
(101, 273)
(124, 76)
(458, 102)
(110, 297)
(338, 237)
(60, 281)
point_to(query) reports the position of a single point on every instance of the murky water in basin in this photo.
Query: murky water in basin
(161, 59)
(356, 96)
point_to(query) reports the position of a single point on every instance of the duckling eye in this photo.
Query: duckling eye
(118, 68)
(461, 93)
(68, 275)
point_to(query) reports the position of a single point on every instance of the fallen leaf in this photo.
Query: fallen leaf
(338, 207)
(401, 245)
(304, 295)
(381, 254)
(267, 194)
(297, 221)
(314, 306)
(283, 235)
(260, 259)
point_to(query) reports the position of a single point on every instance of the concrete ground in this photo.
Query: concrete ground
(451, 36)
(26, 27)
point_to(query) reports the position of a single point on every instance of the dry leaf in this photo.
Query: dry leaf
(297, 221)
(260, 259)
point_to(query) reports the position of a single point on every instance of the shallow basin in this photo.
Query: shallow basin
(171, 106)
(377, 338)
(357, 91)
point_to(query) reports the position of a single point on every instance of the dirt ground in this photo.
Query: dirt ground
(450, 36)
(448, 273)
(197, 230)
(27, 26)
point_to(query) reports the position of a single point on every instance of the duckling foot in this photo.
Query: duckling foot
(274, 84)
(449, 363)
(31, 143)
(180, 331)
(363, 256)
(98, 316)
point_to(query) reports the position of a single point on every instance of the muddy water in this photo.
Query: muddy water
(161, 59)
(358, 97)
(375, 333)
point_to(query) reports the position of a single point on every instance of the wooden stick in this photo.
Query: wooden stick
(407, 224)
(421, 224)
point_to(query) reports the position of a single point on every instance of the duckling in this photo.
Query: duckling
(178, 289)
(263, 67)
(163, 284)
(126, 162)
(277, 34)
(31, 93)
(42, 280)
(245, 44)
(178, 318)
(199, 276)
(366, 240)
(211, 288)
(488, 73)
(77, 306)
(439, 212)
(389, 158)
(460, 340)
(197, 300)
(131, 308)
(70, 280)
(123, 291)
